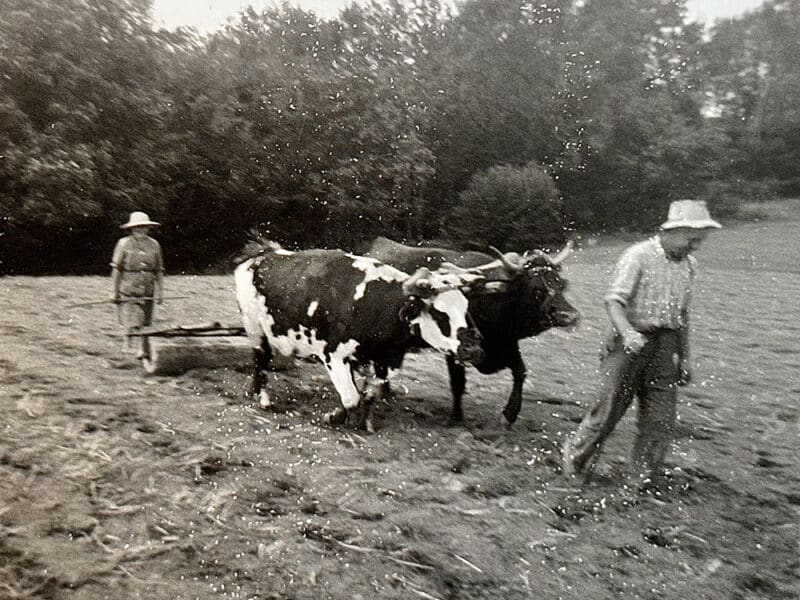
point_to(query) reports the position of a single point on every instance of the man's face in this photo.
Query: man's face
(140, 232)
(694, 238)
(683, 241)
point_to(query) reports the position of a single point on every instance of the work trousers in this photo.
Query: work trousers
(651, 376)
(134, 315)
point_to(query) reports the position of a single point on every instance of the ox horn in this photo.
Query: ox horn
(558, 258)
(509, 266)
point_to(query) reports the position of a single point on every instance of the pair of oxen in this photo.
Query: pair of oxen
(360, 315)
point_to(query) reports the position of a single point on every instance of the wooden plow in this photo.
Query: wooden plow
(180, 348)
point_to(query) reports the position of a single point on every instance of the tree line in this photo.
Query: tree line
(506, 122)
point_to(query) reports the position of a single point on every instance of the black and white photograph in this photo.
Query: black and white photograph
(399, 299)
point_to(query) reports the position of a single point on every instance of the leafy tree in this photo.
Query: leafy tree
(499, 77)
(399, 118)
(321, 117)
(81, 97)
(752, 76)
(644, 140)
(508, 207)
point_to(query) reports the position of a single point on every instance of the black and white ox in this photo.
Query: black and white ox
(350, 312)
(522, 296)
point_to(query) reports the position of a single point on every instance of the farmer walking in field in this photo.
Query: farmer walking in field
(646, 353)
(137, 280)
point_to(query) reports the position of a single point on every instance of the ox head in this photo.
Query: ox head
(534, 280)
(437, 306)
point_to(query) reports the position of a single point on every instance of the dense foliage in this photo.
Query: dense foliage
(509, 208)
(403, 118)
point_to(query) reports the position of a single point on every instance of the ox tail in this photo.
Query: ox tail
(255, 245)
(248, 300)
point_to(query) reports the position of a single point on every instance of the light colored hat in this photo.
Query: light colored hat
(138, 219)
(689, 213)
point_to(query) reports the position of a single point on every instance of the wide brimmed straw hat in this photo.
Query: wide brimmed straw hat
(689, 213)
(138, 219)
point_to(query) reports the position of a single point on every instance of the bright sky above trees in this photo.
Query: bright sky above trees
(207, 15)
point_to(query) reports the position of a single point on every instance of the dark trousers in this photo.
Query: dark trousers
(650, 375)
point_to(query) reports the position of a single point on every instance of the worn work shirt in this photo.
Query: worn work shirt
(654, 289)
(139, 262)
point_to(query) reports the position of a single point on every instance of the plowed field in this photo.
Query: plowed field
(116, 484)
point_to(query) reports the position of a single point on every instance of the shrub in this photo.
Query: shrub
(732, 199)
(508, 207)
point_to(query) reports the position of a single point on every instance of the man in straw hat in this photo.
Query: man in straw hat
(647, 350)
(137, 280)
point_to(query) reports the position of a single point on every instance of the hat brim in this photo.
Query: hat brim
(702, 224)
(142, 224)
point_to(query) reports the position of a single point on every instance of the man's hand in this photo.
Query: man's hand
(632, 340)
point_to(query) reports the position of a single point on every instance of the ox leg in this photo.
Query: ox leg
(514, 404)
(341, 374)
(375, 389)
(336, 417)
(458, 382)
(261, 357)
(360, 417)
(382, 373)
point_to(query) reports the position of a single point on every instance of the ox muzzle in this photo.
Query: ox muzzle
(565, 317)
(559, 312)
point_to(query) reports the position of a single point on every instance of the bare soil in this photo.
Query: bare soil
(118, 484)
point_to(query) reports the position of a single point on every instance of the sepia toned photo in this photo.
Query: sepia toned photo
(399, 299)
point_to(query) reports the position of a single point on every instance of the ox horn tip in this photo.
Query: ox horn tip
(564, 252)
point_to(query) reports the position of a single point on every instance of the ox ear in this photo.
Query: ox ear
(472, 283)
(496, 287)
(492, 286)
(411, 309)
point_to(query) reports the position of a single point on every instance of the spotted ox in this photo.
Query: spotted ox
(522, 296)
(350, 312)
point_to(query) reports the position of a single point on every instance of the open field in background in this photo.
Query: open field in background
(776, 210)
(114, 484)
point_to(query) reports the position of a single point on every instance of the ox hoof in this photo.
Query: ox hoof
(455, 419)
(504, 421)
(335, 417)
(360, 417)
(509, 417)
(370, 425)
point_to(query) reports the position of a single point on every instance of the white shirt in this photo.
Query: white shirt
(654, 289)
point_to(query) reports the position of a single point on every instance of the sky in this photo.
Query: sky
(208, 15)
